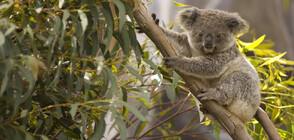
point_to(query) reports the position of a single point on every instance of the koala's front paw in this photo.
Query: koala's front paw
(207, 94)
(170, 61)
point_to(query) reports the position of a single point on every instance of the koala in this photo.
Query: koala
(209, 53)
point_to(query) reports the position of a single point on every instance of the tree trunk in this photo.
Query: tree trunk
(229, 121)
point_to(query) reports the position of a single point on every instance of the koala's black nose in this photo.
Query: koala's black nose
(208, 41)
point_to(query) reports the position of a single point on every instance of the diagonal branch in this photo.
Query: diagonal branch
(229, 121)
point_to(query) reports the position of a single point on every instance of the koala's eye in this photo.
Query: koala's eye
(233, 23)
(200, 34)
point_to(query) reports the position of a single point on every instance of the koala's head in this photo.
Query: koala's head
(211, 31)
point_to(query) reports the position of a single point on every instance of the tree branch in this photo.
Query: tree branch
(229, 121)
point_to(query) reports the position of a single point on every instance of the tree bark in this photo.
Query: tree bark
(231, 123)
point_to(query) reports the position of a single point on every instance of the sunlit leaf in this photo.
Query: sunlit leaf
(179, 4)
(271, 60)
(250, 46)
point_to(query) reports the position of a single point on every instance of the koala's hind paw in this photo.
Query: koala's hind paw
(207, 94)
(153, 15)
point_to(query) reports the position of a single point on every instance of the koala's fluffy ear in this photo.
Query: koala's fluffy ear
(237, 25)
(188, 16)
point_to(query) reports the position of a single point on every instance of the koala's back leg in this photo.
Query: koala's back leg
(240, 94)
(243, 110)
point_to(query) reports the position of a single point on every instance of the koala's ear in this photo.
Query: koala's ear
(237, 25)
(188, 16)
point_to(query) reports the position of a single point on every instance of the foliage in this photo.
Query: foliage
(75, 70)
(277, 86)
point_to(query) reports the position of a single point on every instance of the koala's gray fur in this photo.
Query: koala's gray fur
(209, 53)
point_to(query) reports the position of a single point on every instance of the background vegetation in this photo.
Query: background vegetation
(75, 70)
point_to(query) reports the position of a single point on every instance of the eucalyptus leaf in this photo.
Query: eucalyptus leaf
(135, 73)
(134, 110)
(73, 110)
(99, 130)
(170, 91)
(122, 128)
(122, 12)
(2, 38)
(84, 20)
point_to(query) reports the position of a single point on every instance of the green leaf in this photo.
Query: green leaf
(109, 20)
(272, 60)
(57, 24)
(154, 67)
(134, 111)
(2, 38)
(29, 137)
(176, 79)
(135, 73)
(33, 63)
(122, 12)
(66, 15)
(99, 130)
(84, 121)
(122, 128)
(9, 30)
(73, 110)
(57, 74)
(71, 134)
(216, 130)
(139, 128)
(170, 91)
(60, 3)
(58, 109)
(23, 113)
(43, 137)
(9, 64)
(114, 86)
(126, 40)
(84, 20)
(179, 4)
(100, 62)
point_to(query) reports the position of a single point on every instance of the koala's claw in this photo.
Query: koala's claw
(203, 109)
(206, 94)
(169, 61)
(153, 15)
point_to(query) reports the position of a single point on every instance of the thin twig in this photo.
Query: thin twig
(158, 124)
